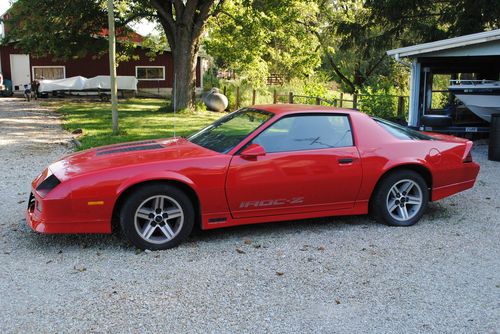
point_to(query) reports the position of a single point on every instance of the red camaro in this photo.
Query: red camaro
(259, 164)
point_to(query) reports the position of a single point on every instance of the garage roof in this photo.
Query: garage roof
(446, 44)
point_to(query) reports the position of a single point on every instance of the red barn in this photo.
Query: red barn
(155, 76)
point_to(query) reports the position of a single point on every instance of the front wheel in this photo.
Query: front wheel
(400, 199)
(157, 217)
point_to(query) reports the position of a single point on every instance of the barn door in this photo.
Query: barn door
(20, 71)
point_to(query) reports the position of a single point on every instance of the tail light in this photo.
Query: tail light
(468, 158)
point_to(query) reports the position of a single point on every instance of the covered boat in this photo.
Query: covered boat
(78, 83)
(482, 97)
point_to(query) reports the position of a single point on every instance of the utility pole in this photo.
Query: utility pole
(112, 66)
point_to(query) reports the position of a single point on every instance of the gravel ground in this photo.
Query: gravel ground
(335, 275)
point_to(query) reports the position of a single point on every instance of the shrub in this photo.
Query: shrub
(379, 102)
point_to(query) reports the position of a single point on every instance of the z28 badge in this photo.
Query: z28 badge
(271, 202)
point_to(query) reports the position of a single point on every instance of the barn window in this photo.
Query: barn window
(49, 72)
(150, 72)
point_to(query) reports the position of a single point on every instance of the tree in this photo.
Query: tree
(355, 34)
(421, 21)
(291, 38)
(353, 45)
(59, 28)
(256, 38)
(74, 28)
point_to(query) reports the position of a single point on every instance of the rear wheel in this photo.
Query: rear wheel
(400, 199)
(156, 217)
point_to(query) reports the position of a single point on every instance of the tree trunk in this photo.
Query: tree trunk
(184, 60)
(359, 80)
(183, 22)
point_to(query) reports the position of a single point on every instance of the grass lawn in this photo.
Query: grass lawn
(139, 119)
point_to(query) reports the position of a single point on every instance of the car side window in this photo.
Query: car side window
(306, 132)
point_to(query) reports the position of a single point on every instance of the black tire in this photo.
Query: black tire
(135, 200)
(380, 200)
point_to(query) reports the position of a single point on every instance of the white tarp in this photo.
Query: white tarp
(73, 83)
(82, 83)
(104, 82)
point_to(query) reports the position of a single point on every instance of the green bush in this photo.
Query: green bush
(263, 95)
(210, 80)
(379, 102)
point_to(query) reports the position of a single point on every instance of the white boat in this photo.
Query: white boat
(482, 97)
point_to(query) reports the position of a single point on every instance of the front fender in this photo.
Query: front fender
(155, 176)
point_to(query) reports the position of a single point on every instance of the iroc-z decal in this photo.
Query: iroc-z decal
(272, 202)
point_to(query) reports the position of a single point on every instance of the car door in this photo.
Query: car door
(311, 164)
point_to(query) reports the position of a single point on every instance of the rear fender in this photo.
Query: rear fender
(400, 163)
(376, 168)
(420, 166)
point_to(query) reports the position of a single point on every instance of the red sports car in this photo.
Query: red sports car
(258, 164)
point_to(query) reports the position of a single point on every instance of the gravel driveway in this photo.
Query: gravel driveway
(335, 275)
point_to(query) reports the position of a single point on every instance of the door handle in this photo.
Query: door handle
(344, 161)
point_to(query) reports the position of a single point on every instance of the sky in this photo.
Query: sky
(4, 5)
(144, 28)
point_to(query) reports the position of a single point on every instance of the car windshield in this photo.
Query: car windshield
(400, 131)
(229, 131)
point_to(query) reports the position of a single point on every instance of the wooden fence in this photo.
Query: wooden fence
(342, 101)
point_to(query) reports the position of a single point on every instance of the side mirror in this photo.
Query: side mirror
(252, 152)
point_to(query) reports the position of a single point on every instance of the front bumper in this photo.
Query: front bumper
(39, 222)
(34, 217)
(30, 212)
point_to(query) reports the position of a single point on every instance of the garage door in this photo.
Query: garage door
(20, 71)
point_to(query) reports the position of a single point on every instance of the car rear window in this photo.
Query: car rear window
(400, 131)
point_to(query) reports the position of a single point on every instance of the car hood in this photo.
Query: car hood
(126, 154)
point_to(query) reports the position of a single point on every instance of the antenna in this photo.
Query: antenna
(175, 99)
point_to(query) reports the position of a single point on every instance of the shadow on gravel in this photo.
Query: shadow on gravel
(57, 242)
(65, 242)
(288, 228)
(437, 211)
(281, 230)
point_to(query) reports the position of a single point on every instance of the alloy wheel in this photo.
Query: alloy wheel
(404, 200)
(159, 219)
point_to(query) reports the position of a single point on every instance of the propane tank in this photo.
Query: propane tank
(215, 101)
